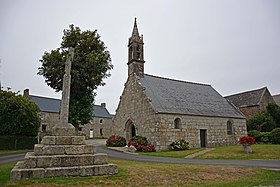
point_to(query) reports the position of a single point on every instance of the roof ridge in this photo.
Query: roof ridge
(171, 79)
(45, 97)
(247, 91)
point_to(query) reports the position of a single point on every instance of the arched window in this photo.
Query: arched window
(229, 127)
(177, 123)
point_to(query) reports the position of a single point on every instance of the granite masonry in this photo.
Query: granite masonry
(165, 110)
(63, 154)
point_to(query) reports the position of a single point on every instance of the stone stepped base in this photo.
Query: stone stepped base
(46, 161)
(63, 156)
(74, 171)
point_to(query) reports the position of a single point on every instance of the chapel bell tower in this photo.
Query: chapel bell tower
(135, 53)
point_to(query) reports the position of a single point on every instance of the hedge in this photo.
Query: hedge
(17, 142)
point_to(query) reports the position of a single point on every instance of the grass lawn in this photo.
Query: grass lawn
(175, 154)
(136, 173)
(260, 151)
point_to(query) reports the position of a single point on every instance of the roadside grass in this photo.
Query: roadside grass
(136, 173)
(260, 151)
(14, 151)
(174, 154)
(5, 172)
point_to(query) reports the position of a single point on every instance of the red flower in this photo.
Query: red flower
(246, 139)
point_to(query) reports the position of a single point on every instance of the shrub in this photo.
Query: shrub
(275, 136)
(260, 137)
(17, 142)
(141, 144)
(179, 145)
(18, 115)
(116, 141)
(247, 140)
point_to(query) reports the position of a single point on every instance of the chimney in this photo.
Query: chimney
(103, 105)
(26, 93)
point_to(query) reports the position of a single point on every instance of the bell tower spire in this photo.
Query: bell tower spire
(135, 52)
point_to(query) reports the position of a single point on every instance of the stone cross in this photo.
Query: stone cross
(64, 108)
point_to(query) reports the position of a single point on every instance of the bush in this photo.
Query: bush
(116, 141)
(17, 142)
(18, 115)
(260, 137)
(141, 144)
(179, 145)
(265, 137)
(275, 136)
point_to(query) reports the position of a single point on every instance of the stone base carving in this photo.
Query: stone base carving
(63, 156)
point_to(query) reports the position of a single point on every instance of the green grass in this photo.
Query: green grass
(260, 151)
(15, 151)
(5, 172)
(136, 173)
(174, 154)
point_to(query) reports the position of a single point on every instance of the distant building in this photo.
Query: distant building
(165, 110)
(277, 99)
(100, 126)
(251, 102)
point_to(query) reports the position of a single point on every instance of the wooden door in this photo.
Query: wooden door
(203, 138)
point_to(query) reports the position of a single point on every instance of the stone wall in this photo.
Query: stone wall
(216, 130)
(135, 107)
(96, 124)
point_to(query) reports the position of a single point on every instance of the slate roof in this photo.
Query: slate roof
(53, 105)
(248, 98)
(277, 99)
(180, 97)
(46, 104)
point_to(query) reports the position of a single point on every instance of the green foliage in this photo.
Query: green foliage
(116, 141)
(261, 121)
(17, 142)
(265, 121)
(91, 64)
(260, 137)
(179, 145)
(18, 115)
(275, 136)
(274, 111)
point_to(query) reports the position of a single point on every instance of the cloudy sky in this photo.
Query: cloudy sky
(233, 45)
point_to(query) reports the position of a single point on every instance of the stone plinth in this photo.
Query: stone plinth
(63, 156)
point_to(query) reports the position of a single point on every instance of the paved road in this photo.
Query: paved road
(11, 157)
(272, 164)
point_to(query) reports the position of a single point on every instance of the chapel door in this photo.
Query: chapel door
(203, 138)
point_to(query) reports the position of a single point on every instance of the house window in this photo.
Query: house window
(101, 132)
(44, 128)
(177, 123)
(101, 121)
(80, 128)
(229, 127)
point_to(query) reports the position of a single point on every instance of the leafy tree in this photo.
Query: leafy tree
(274, 111)
(265, 121)
(91, 64)
(18, 115)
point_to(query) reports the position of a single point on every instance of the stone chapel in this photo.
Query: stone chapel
(165, 110)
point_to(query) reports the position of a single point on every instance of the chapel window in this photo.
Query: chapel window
(229, 127)
(177, 123)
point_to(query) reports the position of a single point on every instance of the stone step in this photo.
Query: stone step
(32, 161)
(63, 140)
(92, 170)
(42, 149)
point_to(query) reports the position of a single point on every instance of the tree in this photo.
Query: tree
(91, 64)
(18, 115)
(265, 121)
